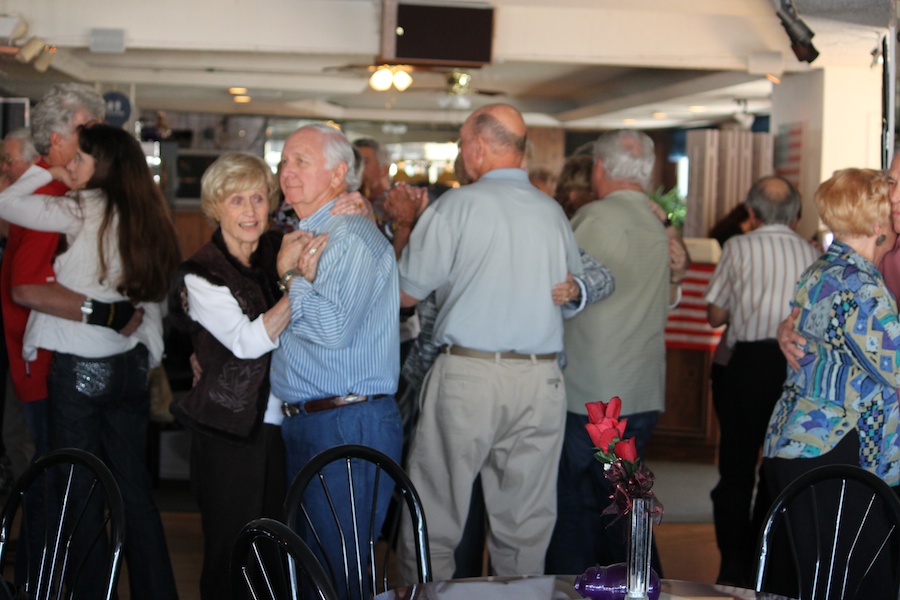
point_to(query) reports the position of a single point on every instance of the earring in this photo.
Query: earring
(881, 240)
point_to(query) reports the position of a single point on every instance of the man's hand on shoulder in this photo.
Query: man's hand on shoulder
(792, 344)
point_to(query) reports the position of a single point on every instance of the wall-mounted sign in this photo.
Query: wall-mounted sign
(118, 108)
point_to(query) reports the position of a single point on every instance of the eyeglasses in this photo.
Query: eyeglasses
(10, 160)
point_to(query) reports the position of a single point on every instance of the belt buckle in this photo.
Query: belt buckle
(351, 398)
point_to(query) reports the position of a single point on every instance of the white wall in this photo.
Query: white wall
(840, 111)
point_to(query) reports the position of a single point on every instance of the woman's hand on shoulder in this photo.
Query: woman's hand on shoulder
(353, 203)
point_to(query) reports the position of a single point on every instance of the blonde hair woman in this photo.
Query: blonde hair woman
(841, 407)
(227, 296)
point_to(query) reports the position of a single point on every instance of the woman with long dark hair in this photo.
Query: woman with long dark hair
(121, 254)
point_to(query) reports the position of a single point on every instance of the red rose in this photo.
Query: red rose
(614, 407)
(626, 450)
(605, 432)
(597, 411)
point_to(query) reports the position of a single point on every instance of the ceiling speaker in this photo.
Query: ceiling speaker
(107, 41)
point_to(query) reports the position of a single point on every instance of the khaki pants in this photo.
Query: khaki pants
(503, 419)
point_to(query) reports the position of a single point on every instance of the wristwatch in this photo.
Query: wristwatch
(284, 283)
(87, 309)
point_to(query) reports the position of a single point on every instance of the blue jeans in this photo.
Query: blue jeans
(375, 424)
(102, 406)
(583, 537)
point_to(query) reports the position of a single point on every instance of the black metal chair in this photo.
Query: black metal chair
(271, 561)
(335, 474)
(72, 547)
(832, 533)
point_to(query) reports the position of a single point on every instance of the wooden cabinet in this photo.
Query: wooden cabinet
(688, 430)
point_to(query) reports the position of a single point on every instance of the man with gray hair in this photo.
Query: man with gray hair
(19, 153)
(376, 180)
(337, 364)
(751, 290)
(614, 348)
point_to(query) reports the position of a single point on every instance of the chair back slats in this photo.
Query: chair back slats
(74, 546)
(365, 569)
(271, 562)
(838, 527)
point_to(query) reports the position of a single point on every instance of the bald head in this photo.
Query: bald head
(774, 200)
(493, 137)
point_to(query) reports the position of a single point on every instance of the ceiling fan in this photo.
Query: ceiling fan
(457, 90)
(457, 82)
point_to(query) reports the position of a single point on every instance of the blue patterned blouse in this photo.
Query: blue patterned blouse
(849, 377)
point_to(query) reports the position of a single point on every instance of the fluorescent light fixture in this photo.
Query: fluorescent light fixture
(237, 91)
(242, 99)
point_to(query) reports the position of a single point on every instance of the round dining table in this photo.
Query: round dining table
(548, 587)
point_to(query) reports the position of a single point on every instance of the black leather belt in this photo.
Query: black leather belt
(469, 353)
(311, 406)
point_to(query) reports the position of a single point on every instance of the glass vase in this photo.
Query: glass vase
(639, 550)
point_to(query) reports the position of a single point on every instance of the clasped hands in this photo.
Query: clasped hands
(405, 203)
(301, 250)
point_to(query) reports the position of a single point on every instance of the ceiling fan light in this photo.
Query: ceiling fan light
(381, 79)
(402, 80)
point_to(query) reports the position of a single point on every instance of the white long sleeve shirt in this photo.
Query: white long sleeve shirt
(78, 269)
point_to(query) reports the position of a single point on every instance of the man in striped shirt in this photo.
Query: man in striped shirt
(751, 290)
(338, 360)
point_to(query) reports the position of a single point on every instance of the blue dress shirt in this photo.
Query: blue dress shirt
(344, 332)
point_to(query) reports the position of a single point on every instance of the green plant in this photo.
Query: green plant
(672, 203)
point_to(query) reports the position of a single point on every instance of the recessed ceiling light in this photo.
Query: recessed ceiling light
(697, 109)
(659, 115)
(242, 99)
(237, 90)
(629, 121)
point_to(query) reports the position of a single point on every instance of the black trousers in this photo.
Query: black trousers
(234, 484)
(781, 577)
(744, 395)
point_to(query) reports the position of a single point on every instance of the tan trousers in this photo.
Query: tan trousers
(501, 418)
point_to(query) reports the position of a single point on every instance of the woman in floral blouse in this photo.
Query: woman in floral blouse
(841, 407)
(846, 387)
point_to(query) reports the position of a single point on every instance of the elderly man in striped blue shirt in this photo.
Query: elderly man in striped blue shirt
(337, 364)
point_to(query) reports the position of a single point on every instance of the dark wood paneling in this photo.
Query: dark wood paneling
(687, 430)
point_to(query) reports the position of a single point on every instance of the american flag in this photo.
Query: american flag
(687, 327)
